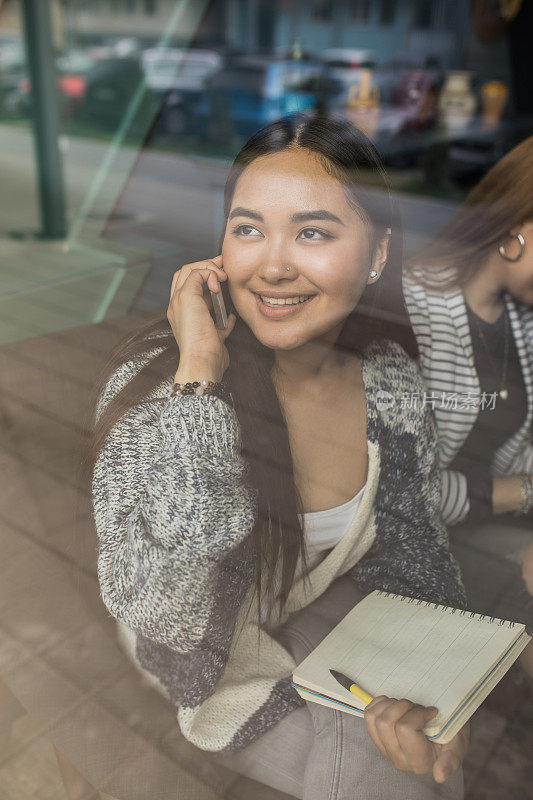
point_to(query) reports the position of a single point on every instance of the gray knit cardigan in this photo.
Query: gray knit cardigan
(174, 510)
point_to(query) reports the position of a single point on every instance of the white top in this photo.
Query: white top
(324, 529)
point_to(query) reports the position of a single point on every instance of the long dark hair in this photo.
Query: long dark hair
(502, 200)
(348, 154)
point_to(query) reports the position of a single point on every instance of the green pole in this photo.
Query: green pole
(40, 56)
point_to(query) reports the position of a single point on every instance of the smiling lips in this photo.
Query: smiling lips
(284, 301)
(279, 307)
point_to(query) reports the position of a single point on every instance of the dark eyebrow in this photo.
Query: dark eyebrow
(303, 216)
(239, 211)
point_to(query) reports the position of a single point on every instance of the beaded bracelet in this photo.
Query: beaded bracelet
(527, 495)
(200, 388)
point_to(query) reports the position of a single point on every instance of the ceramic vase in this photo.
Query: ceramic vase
(457, 102)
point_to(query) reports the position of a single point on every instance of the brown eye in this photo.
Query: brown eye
(321, 234)
(244, 230)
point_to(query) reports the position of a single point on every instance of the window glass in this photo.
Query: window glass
(119, 124)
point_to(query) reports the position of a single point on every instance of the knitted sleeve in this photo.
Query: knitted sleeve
(173, 510)
(410, 554)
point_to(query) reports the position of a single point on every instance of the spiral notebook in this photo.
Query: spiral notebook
(401, 647)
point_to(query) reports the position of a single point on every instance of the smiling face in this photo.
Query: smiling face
(287, 211)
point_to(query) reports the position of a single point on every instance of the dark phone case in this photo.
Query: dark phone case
(225, 296)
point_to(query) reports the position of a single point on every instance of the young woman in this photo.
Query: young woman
(470, 297)
(236, 531)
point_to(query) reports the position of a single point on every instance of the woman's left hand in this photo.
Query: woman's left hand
(396, 728)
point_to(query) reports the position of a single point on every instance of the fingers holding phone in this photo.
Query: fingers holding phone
(212, 264)
(195, 328)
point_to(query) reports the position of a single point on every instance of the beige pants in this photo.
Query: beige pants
(318, 753)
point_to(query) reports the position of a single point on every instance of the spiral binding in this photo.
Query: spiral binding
(451, 609)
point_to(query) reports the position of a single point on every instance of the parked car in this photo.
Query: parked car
(251, 91)
(113, 47)
(177, 79)
(111, 85)
(12, 69)
(72, 68)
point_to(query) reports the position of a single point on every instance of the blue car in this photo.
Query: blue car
(252, 91)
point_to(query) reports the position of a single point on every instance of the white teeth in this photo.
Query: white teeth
(281, 301)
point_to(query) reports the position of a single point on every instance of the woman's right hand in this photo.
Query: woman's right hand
(201, 344)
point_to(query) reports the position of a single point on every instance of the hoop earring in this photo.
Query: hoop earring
(521, 241)
(373, 275)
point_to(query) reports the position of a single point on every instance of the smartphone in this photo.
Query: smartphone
(220, 304)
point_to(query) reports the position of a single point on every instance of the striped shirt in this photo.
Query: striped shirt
(440, 322)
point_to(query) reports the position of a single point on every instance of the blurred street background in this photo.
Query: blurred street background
(126, 162)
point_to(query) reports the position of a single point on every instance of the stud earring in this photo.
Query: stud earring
(373, 275)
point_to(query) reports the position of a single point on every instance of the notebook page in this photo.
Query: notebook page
(405, 648)
(447, 731)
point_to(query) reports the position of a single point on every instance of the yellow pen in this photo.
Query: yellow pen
(352, 687)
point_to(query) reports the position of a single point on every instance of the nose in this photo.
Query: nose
(275, 273)
(276, 267)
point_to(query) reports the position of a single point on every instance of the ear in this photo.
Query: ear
(514, 231)
(381, 253)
